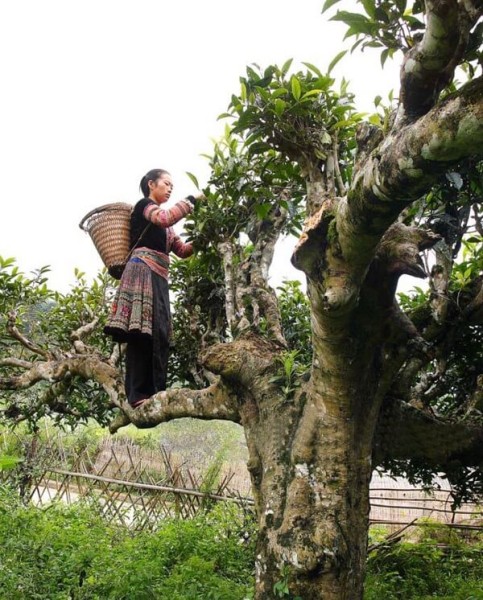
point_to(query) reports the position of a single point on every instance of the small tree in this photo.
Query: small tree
(390, 384)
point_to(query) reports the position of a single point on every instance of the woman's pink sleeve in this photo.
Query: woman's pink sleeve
(167, 217)
(180, 248)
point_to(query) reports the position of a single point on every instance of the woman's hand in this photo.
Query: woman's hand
(196, 199)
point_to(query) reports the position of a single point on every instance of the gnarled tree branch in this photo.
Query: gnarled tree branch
(429, 66)
(214, 402)
(403, 433)
(24, 341)
(15, 362)
(82, 332)
(403, 167)
(87, 367)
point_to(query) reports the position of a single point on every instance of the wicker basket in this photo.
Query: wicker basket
(110, 229)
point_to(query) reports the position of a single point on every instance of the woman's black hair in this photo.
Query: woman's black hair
(152, 175)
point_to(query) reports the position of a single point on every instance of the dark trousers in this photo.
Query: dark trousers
(146, 356)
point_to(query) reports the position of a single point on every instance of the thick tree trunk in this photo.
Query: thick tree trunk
(313, 499)
(310, 464)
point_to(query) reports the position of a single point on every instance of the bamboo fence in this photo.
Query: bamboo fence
(140, 488)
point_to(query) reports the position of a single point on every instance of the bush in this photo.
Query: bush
(425, 570)
(45, 553)
(71, 553)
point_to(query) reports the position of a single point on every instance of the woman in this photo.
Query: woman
(140, 313)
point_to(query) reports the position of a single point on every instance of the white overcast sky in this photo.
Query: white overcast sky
(94, 93)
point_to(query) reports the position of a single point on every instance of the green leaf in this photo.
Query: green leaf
(349, 33)
(193, 179)
(328, 4)
(374, 44)
(7, 262)
(413, 23)
(262, 210)
(312, 93)
(335, 60)
(253, 74)
(313, 68)
(343, 123)
(280, 106)
(296, 89)
(356, 44)
(324, 83)
(243, 91)
(258, 148)
(383, 14)
(264, 94)
(369, 7)
(279, 92)
(9, 462)
(286, 66)
(350, 18)
(384, 55)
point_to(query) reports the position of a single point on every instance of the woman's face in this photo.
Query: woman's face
(160, 190)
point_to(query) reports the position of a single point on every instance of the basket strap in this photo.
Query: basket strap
(137, 242)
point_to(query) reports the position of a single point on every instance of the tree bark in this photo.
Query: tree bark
(309, 461)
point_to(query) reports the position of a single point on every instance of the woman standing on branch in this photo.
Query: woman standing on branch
(140, 313)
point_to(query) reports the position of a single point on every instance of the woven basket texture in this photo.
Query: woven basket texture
(109, 228)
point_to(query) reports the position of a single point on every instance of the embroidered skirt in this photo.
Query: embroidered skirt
(140, 316)
(133, 306)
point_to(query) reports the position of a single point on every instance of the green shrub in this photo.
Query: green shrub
(406, 571)
(45, 553)
(161, 565)
(71, 553)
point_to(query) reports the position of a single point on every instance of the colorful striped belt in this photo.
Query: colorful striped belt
(158, 262)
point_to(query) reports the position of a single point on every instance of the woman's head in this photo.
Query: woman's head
(157, 185)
